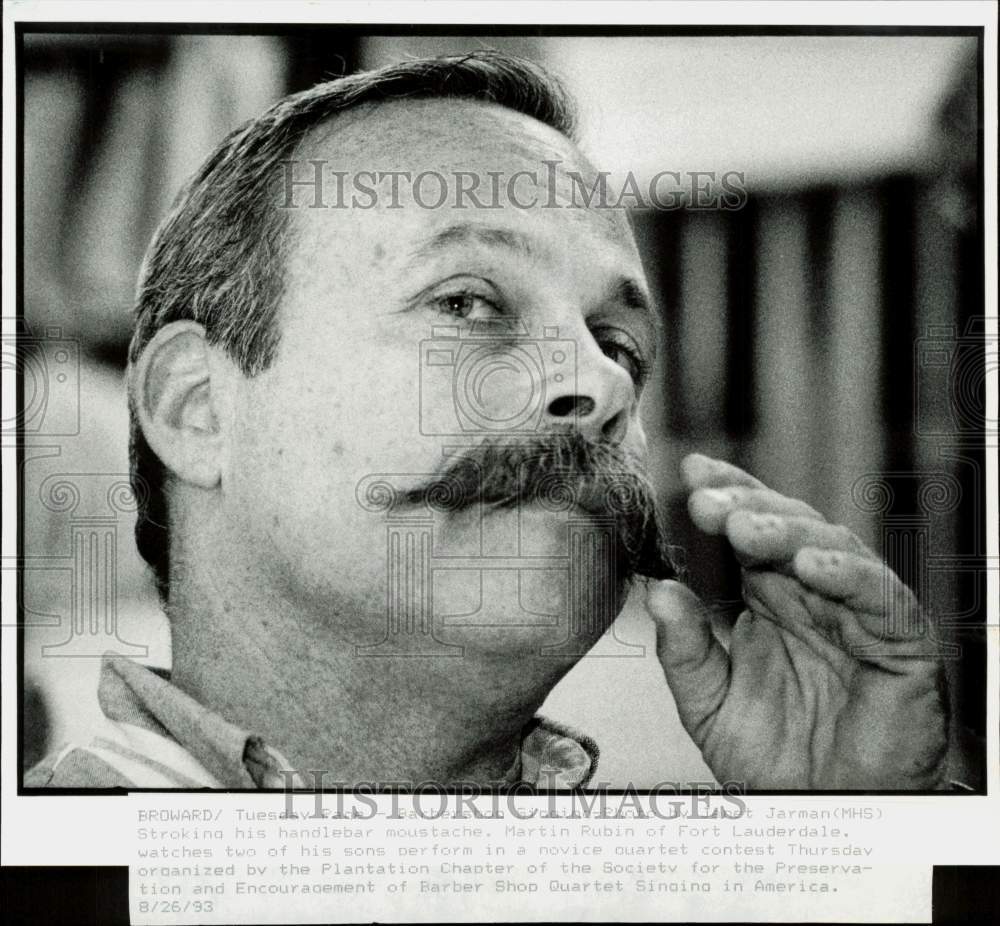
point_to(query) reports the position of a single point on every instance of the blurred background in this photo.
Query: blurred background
(824, 336)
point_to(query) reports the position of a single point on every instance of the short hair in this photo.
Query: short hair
(217, 258)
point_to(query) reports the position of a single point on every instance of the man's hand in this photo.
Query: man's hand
(831, 679)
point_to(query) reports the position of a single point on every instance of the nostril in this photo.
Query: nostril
(567, 406)
(615, 428)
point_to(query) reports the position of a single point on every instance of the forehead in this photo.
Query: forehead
(436, 163)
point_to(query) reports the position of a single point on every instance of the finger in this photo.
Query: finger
(699, 471)
(875, 613)
(710, 507)
(772, 539)
(695, 664)
(784, 602)
(863, 584)
(897, 639)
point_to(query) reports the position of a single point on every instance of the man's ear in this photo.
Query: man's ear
(171, 391)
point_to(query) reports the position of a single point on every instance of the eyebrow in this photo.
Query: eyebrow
(624, 291)
(630, 294)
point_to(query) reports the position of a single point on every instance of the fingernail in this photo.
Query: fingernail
(717, 496)
(658, 591)
(667, 597)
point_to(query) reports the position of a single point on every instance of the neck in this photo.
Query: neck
(294, 677)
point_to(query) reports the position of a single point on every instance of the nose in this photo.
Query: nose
(597, 401)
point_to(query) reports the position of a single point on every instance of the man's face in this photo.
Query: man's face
(366, 383)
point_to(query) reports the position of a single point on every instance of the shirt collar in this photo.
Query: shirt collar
(551, 755)
(131, 693)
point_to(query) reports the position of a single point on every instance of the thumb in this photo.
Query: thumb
(694, 662)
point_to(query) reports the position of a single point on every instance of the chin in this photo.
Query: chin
(504, 583)
(539, 584)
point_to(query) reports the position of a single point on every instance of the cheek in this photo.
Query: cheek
(290, 499)
(288, 443)
(299, 453)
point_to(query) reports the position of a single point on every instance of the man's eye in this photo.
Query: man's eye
(465, 305)
(627, 357)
